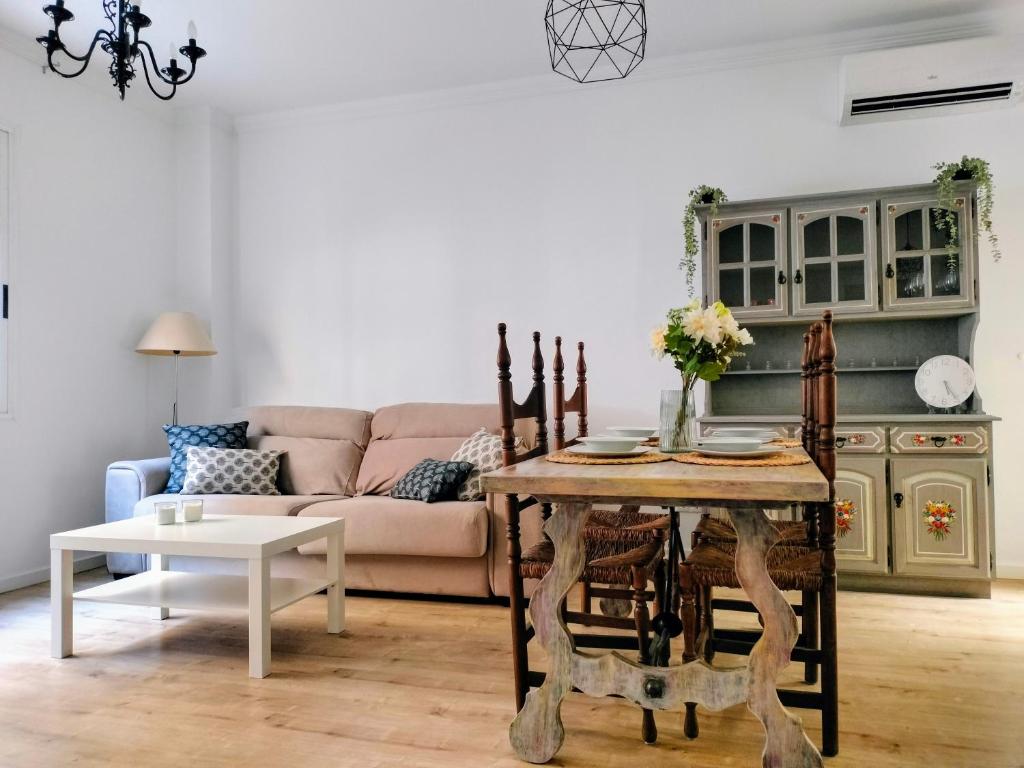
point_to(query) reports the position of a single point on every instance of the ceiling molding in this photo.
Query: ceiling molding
(94, 79)
(686, 65)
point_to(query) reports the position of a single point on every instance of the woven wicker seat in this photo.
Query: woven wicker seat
(713, 564)
(608, 561)
(714, 529)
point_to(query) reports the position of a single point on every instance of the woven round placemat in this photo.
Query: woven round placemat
(562, 457)
(774, 460)
(786, 442)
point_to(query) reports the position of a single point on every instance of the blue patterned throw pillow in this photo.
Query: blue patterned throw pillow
(432, 480)
(182, 437)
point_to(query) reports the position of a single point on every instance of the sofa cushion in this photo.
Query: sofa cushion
(483, 451)
(312, 465)
(380, 525)
(403, 435)
(432, 481)
(224, 504)
(308, 421)
(182, 436)
(232, 471)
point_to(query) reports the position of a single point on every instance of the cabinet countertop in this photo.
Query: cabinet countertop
(857, 418)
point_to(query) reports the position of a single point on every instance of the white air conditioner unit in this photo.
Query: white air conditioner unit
(932, 80)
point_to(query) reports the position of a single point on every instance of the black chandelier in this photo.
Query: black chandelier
(594, 40)
(122, 42)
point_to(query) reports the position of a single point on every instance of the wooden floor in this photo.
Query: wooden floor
(924, 682)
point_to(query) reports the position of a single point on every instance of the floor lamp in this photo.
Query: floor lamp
(180, 334)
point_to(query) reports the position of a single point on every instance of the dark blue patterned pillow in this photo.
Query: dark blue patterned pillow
(432, 480)
(181, 437)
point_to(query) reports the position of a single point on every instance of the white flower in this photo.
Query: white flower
(658, 341)
(743, 337)
(702, 325)
(692, 305)
(729, 325)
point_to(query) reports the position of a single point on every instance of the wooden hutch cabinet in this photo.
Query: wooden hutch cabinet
(914, 486)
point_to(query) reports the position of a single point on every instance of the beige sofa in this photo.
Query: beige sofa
(342, 462)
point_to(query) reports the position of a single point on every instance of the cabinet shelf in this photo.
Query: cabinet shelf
(839, 370)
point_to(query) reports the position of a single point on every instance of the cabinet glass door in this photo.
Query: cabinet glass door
(862, 527)
(920, 271)
(747, 264)
(940, 517)
(834, 259)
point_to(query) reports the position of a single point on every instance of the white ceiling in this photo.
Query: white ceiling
(269, 55)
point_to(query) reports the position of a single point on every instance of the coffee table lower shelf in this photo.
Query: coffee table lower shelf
(198, 591)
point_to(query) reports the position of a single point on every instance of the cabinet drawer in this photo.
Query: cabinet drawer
(860, 440)
(940, 438)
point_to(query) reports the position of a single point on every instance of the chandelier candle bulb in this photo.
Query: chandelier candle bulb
(193, 33)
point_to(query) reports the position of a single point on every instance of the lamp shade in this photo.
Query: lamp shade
(176, 332)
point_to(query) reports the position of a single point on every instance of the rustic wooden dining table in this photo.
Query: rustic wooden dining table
(536, 732)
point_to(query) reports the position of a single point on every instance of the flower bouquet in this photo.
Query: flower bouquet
(702, 342)
(939, 517)
(846, 510)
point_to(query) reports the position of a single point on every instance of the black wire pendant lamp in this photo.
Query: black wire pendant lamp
(595, 40)
(125, 47)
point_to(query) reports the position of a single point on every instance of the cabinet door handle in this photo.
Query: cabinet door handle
(840, 442)
(898, 498)
(782, 277)
(889, 271)
(798, 278)
(939, 440)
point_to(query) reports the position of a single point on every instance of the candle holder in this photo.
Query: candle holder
(166, 512)
(192, 510)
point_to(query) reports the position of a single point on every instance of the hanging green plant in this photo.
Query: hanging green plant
(966, 169)
(702, 195)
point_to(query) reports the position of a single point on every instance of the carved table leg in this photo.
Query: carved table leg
(537, 733)
(786, 744)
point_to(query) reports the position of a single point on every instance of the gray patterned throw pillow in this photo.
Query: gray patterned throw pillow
(432, 480)
(232, 470)
(483, 451)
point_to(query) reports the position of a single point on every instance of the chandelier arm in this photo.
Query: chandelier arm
(102, 34)
(191, 72)
(152, 57)
(149, 82)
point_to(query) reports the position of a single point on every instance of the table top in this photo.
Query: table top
(665, 483)
(236, 536)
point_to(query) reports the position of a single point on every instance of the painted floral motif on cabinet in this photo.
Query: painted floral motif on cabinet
(919, 440)
(846, 511)
(939, 517)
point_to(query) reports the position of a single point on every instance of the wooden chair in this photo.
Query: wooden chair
(615, 553)
(803, 560)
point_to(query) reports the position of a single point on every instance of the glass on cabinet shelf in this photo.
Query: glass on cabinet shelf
(918, 255)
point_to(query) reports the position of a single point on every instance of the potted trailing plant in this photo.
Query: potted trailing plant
(966, 169)
(702, 195)
(702, 343)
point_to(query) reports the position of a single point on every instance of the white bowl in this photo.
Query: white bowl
(610, 443)
(731, 444)
(642, 432)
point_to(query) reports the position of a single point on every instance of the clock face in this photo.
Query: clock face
(944, 381)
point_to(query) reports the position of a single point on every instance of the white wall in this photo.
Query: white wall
(378, 253)
(93, 201)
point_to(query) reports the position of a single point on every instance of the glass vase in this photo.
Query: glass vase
(678, 421)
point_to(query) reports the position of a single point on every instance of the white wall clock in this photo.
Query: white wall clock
(944, 381)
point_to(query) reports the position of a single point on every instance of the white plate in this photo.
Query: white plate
(610, 443)
(731, 443)
(640, 432)
(586, 450)
(736, 454)
(757, 434)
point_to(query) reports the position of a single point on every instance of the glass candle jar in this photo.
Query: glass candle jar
(192, 510)
(165, 512)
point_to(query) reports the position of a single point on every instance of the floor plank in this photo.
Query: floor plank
(924, 682)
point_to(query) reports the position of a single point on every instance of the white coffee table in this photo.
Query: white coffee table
(245, 537)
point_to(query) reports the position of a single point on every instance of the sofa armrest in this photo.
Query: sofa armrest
(127, 483)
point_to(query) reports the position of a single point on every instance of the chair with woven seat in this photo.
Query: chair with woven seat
(615, 554)
(802, 560)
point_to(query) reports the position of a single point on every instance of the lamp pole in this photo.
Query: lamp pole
(174, 412)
